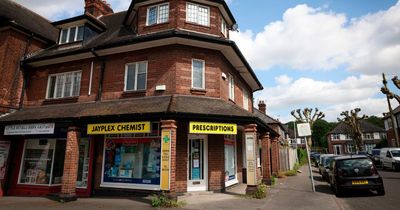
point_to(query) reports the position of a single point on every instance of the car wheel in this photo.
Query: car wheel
(381, 191)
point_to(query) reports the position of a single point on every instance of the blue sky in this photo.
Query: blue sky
(318, 53)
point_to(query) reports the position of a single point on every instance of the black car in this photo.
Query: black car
(356, 172)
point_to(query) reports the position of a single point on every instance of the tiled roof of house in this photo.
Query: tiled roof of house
(366, 127)
(179, 105)
(14, 14)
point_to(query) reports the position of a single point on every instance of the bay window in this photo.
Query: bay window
(157, 14)
(198, 74)
(198, 14)
(64, 85)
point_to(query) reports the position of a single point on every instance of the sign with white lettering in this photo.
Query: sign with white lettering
(113, 128)
(29, 129)
(212, 128)
(165, 159)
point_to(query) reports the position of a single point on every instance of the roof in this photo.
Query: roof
(171, 105)
(14, 14)
(366, 127)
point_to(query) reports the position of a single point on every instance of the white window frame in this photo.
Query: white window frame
(196, 14)
(231, 87)
(158, 21)
(224, 27)
(335, 147)
(203, 85)
(335, 136)
(245, 100)
(63, 86)
(68, 32)
(136, 75)
(236, 180)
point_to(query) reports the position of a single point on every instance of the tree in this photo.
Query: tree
(376, 121)
(306, 116)
(353, 120)
(320, 129)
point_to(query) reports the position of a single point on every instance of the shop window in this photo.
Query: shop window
(230, 159)
(131, 163)
(83, 164)
(198, 14)
(198, 74)
(64, 85)
(157, 14)
(71, 34)
(42, 162)
(136, 76)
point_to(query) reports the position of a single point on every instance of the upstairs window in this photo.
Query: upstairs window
(336, 136)
(198, 74)
(245, 100)
(64, 85)
(224, 28)
(158, 14)
(198, 14)
(231, 88)
(71, 34)
(136, 76)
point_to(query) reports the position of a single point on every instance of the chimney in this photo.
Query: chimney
(262, 107)
(97, 8)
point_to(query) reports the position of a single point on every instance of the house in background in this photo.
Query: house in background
(391, 139)
(340, 140)
(155, 98)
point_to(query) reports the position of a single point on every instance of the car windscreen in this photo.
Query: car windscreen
(328, 160)
(355, 163)
(395, 153)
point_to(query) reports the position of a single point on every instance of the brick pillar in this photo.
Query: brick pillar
(68, 186)
(266, 160)
(170, 126)
(251, 157)
(275, 156)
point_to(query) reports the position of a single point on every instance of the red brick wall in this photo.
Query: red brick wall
(177, 19)
(172, 69)
(12, 48)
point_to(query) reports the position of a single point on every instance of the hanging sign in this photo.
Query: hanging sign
(29, 129)
(212, 128)
(304, 129)
(114, 128)
(250, 157)
(165, 159)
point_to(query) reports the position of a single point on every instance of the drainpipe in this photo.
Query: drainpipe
(102, 68)
(23, 66)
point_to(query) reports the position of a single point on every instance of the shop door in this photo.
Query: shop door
(197, 167)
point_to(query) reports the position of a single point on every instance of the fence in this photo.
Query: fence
(287, 158)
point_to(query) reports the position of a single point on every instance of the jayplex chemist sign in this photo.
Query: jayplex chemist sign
(114, 128)
(212, 128)
(29, 129)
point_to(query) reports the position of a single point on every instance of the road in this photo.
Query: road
(368, 200)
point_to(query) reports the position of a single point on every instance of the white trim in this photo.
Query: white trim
(136, 75)
(197, 15)
(90, 79)
(158, 6)
(232, 182)
(203, 187)
(245, 100)
(63, 85)
(235, 180)
(203, 74)
(231, 84)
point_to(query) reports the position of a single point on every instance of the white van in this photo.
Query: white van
(390, 158)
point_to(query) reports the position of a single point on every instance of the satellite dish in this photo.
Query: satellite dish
(235, 27)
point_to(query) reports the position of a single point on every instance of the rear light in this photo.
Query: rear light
(374, 171)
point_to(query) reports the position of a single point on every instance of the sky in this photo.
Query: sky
(325, 54)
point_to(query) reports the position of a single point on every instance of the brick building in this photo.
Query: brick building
(341, 142)
(391, 137)
(155, 98)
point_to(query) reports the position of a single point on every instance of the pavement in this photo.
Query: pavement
(288, 193)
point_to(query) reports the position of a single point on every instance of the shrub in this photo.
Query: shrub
(291, 172)
(165, 201)
(302, 155)
(280, 174)
(273, 180)
(261, 192)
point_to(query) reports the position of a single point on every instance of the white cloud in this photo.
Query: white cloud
(330, 97)
(56, 10)
(315, 39)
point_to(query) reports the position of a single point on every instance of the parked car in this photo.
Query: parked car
(326, 164)
(314, 158)
(321, 161)
(356, 172)
(390, 158)
(375, 156)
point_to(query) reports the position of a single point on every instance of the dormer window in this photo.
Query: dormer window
(71, 34)
(198, 14)
(157, 14)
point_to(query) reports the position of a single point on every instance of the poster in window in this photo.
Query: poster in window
(4, 149)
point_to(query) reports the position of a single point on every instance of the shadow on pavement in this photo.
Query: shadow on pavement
(323, 189)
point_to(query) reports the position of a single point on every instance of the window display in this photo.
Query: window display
(40, 165)
(132, 161)
(83, 164)
(230, 159)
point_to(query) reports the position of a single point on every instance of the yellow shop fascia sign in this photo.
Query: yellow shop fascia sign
(115, 128)
(212, 128)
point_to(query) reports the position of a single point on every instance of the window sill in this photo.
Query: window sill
(198, 91)
(133, 93)
(196, 24)
(69, 43)
(156, 24)
(61, 100)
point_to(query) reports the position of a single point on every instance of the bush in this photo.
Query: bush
(261, 192)
(291, 172)
(302, 155)
(165, 202)
(280, 174)
(273, 180)
(296, 167)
